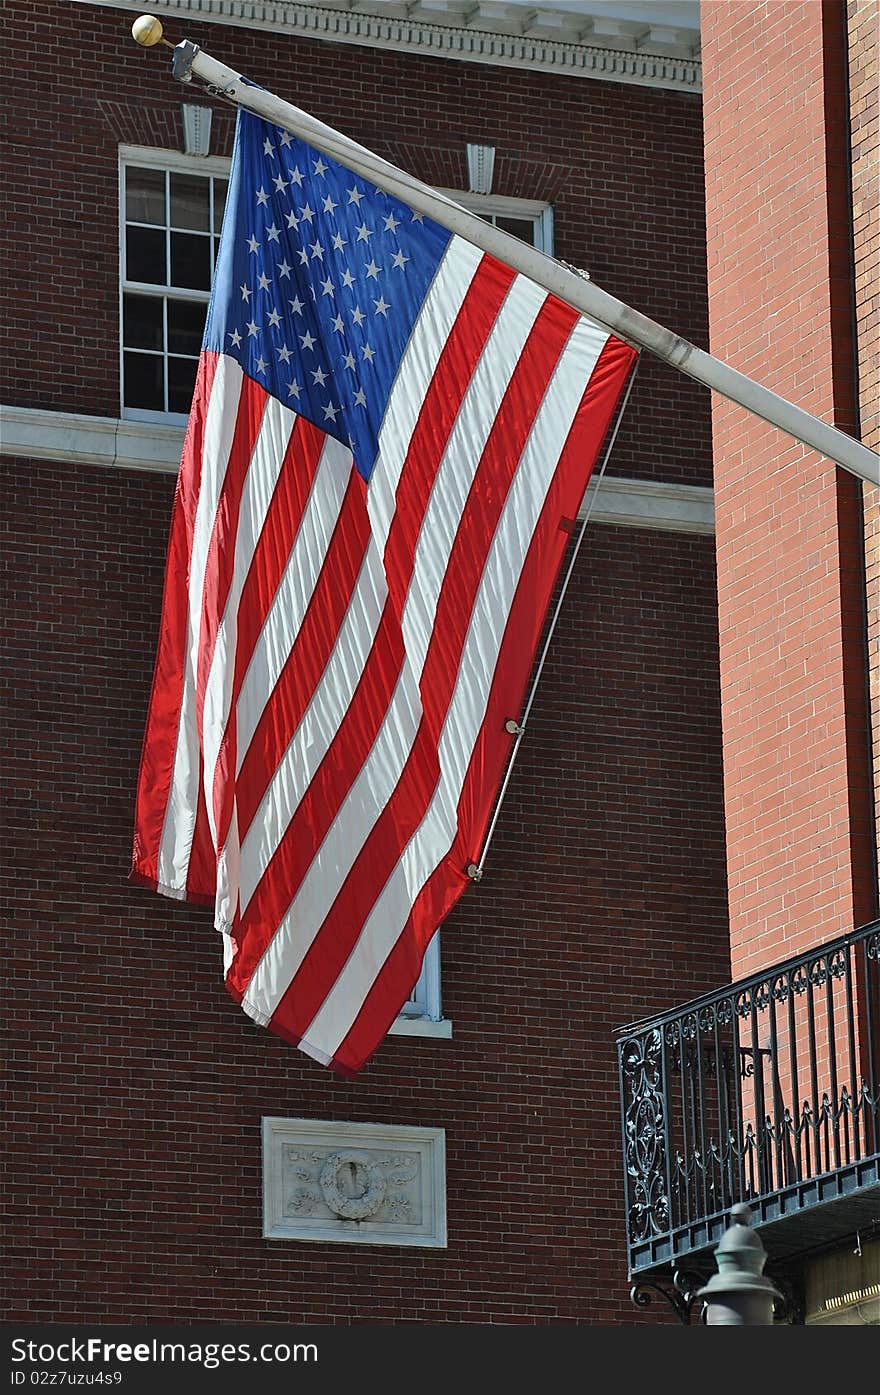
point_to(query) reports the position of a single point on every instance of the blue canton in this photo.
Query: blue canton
(319, 280)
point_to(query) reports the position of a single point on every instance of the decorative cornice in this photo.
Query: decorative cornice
(152, 446)
(547, 39)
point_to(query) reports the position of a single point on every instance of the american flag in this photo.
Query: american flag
(389, 435)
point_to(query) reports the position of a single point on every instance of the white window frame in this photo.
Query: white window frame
(177, 163)
(491, 206)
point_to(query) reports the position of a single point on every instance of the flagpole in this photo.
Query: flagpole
(518, 729)
(190, 61)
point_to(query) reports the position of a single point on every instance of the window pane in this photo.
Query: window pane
(145, 196)
(142, 322)
(190, 206)
(219, 202)
(186, 325)
(520, 227)
(181, 381)
(191, 261)
(143, 381)
(145, 255)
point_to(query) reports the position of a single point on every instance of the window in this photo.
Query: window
(171, 209)
(524, 218)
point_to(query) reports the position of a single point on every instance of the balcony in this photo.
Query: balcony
(767, 1091)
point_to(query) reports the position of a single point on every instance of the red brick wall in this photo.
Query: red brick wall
(864, 84)
(790, 575)
(135, 1085)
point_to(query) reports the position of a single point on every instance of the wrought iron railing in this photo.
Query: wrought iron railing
(767, 1091)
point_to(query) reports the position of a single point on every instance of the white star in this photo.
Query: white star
(303, 257)
(358, 315)
(296, 305)
(262, 196)
(264, 282)
(245, 292)
(368, 353)
(339, 242)
(280, 183)
(338, 324)
(293, 389)
(320, 168)
(391, 223)
(292, 220)
(364, 233)
(253, 244)
(307, 212)
(273, 232)
(348, 361)
(296, 175)
(307, 340)
(347, 278)
(261, 365)
(317, 250)
(327, 286)
(319, 377)
(285, 137)
(235, 337)
(275, 318)
(329, 205)
(373, 270)
(382, 306)
(251, 329)
(359, 398)
(399, 260)
(418, 217)
(283, 268)
(355, 195)
(284, 353)
(330, 412)
(268, 147)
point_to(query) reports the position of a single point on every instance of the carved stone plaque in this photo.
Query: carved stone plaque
(368, 1184)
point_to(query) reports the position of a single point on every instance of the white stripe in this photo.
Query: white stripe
(384, 765)
(436, 834)
(321, 721)
(464, 449)
(257, 488)
(180, 813)
(417, 367)
(291, 600)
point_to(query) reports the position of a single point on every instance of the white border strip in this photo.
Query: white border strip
(131, 445)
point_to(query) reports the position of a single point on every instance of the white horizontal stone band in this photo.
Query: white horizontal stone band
(133, 445)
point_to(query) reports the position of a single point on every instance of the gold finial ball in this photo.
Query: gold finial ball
(146, 30)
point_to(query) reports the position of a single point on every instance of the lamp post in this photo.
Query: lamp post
(739, 1295)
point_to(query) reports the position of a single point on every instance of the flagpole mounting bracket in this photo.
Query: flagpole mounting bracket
(185, 54)
(474, 872)
(513, 727)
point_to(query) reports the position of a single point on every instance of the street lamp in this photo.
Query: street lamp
(739, 1295)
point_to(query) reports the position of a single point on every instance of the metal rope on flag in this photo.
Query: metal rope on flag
(389, 434)
(518, 728)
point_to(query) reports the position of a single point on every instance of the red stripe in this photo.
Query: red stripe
(405, 810)
(220, 558)
(160, 734)
(400, 970)
(312, 819)
(309, 653)
(454, 371)
(270, 558)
